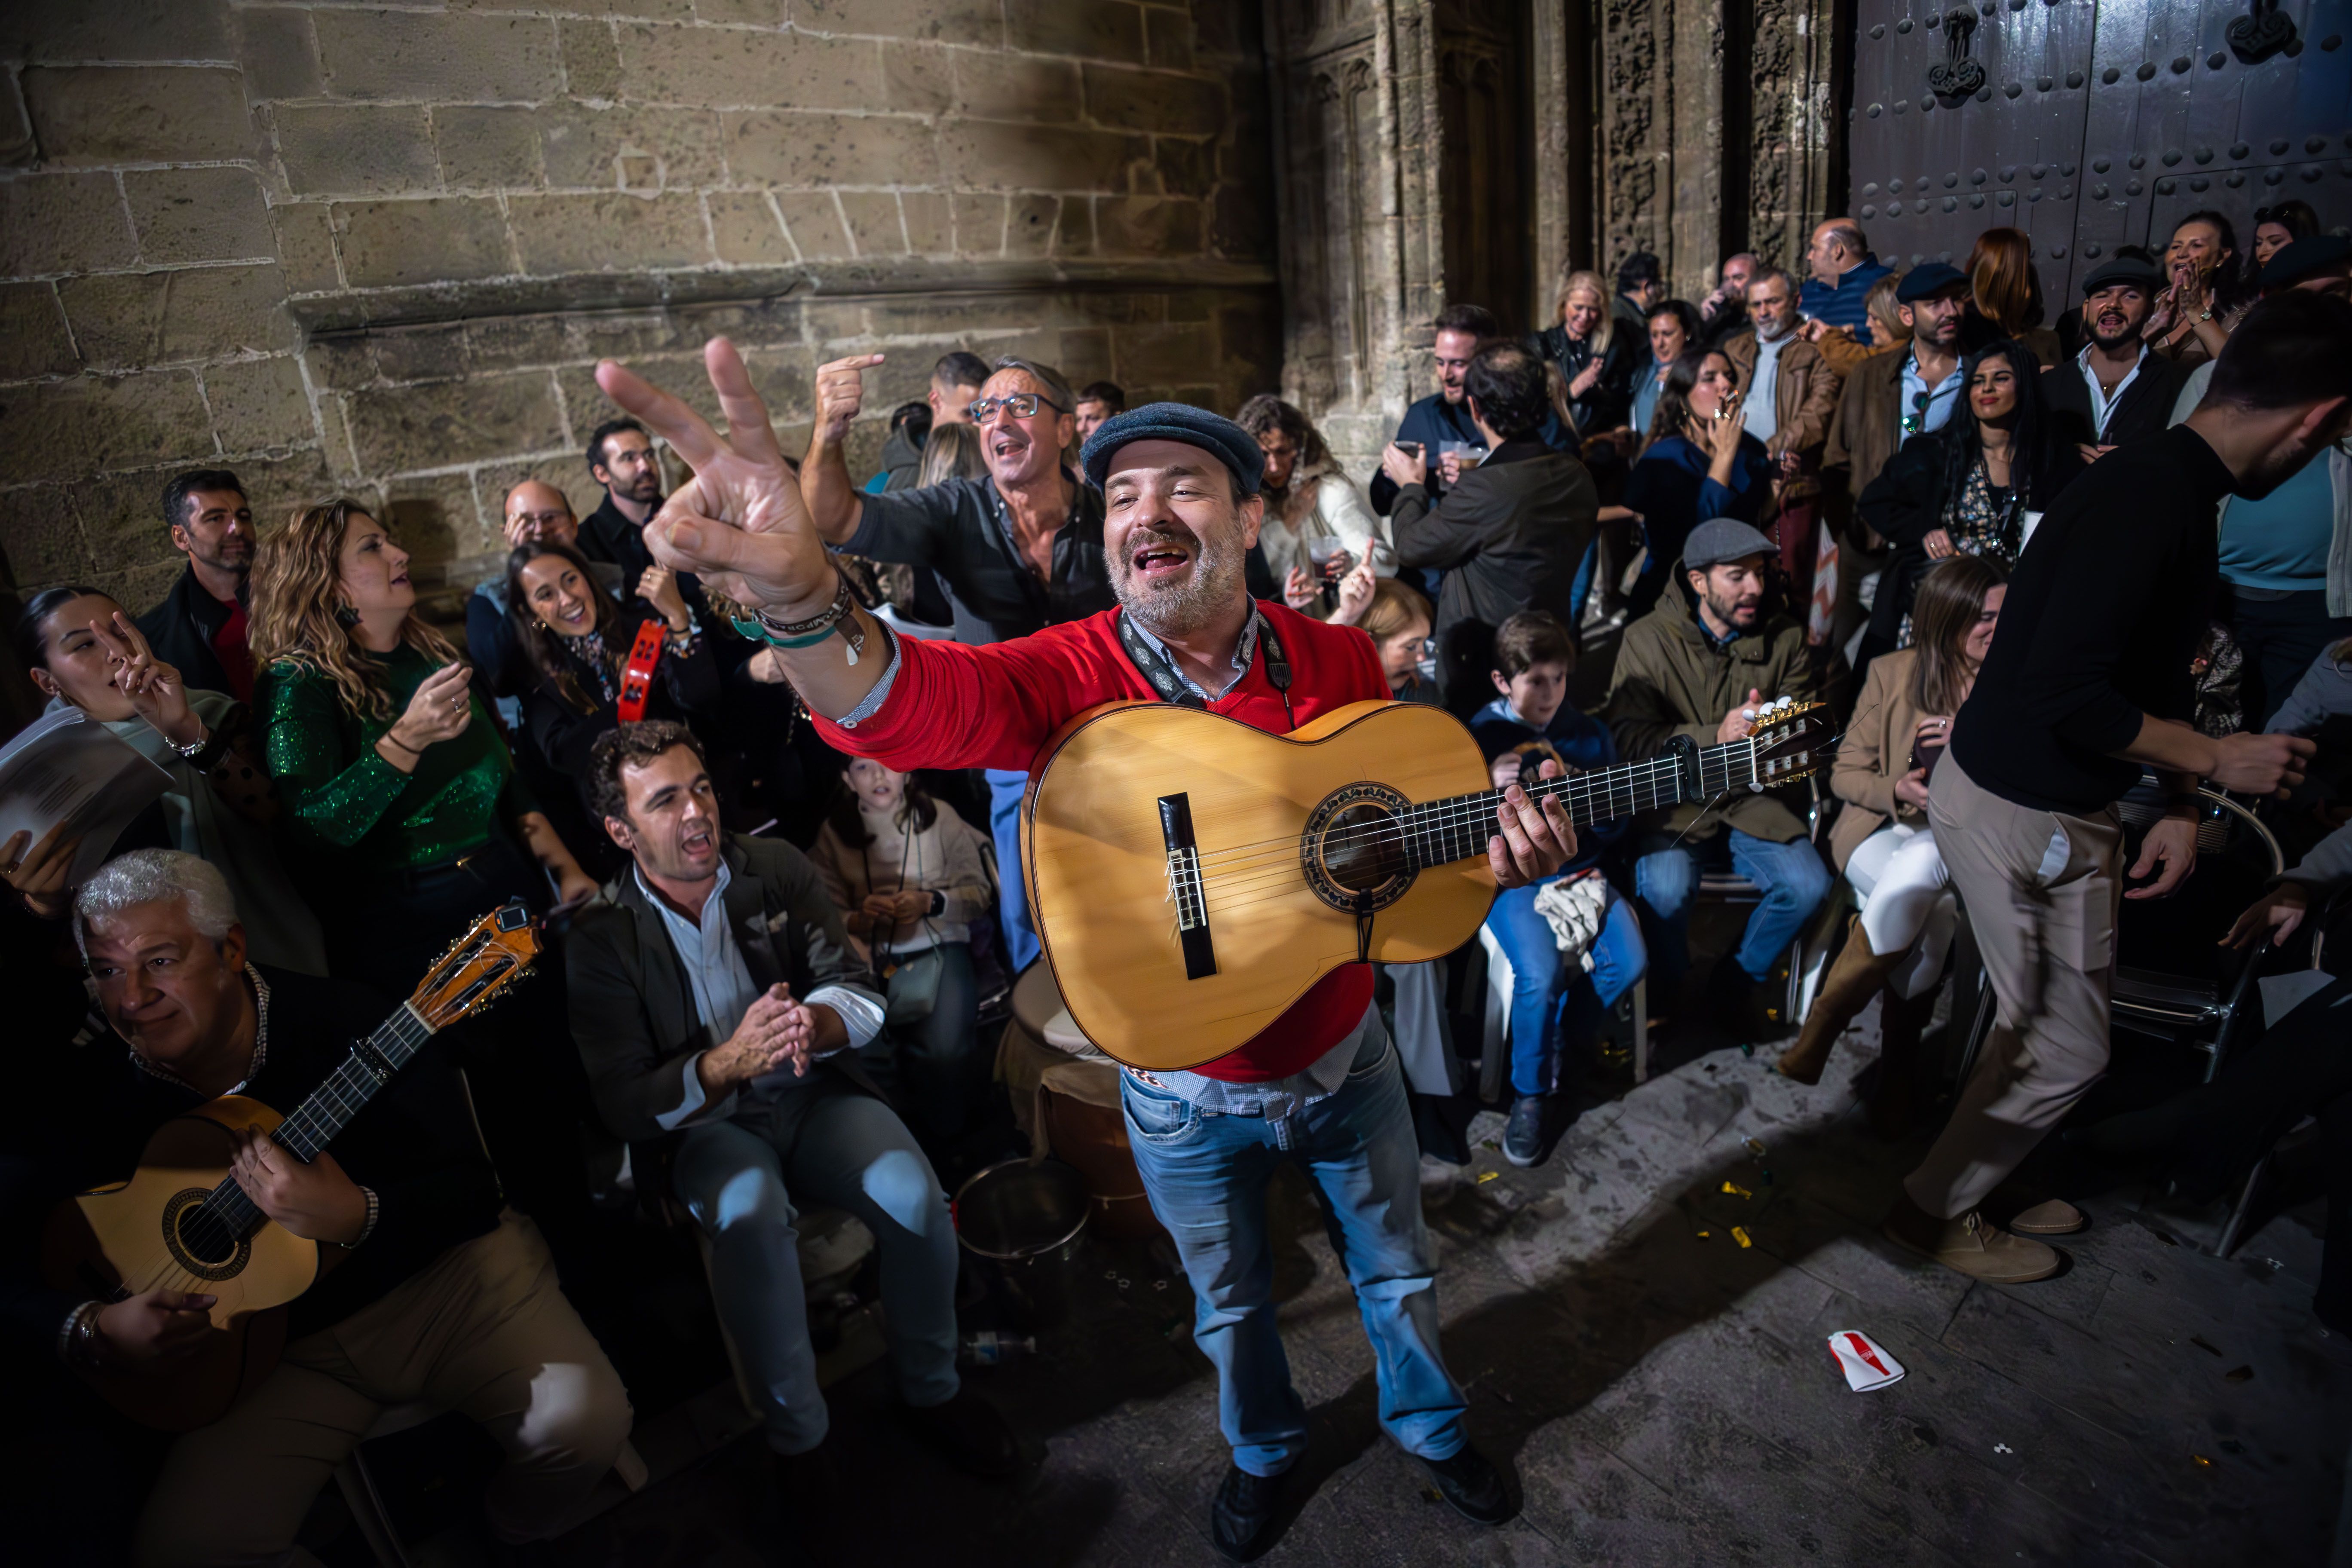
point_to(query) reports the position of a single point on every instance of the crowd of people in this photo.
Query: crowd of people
(763, 785)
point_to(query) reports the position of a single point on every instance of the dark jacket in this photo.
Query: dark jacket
(1604, 407)
(1434, 420)
(1509, 537)
(1672, 679)
(606, 535)
(1905, 503)
(1672, 492)
(181, 630)
(1868, 426)
(633, 1011)
(958, 529)
(413, 1143)
(2144, 409)
(902, 463)
(685, 688)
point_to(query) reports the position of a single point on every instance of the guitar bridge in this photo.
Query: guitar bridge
(1185, 888)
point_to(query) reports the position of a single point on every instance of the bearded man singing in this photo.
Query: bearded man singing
(1322, 1085)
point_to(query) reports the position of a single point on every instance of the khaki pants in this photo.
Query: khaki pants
(485, 1331)
(2042, 891)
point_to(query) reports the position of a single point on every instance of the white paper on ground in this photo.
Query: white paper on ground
(2283, 994)
(1863, 1361)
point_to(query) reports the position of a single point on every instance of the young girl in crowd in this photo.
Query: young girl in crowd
(1529, 722)
(578, 644)
(1882, 841)
(911, 878)
(82, 650)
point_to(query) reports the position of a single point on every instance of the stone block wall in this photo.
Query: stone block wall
(354, 248)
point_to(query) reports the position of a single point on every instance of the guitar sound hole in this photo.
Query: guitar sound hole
(1362, 850)
(208, 1241)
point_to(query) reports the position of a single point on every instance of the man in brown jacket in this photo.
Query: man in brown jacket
(1700, 663)
(1787, 396)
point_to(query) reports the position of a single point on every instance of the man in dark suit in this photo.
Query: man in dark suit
(2117, 389)
(1510, 533)
(199, 628)
(719, 1006)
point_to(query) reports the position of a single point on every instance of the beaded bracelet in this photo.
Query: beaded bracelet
(839, 615)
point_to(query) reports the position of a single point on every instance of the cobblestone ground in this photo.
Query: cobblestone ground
(1661, 1392)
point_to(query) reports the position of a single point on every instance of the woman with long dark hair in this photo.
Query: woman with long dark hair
(1309, 497)
(1966, 489)
(2276, 228)
(1882, 842)
(83, 650)
(1673, 331)
(578, 644)
(2211, 289)
(1697, 464)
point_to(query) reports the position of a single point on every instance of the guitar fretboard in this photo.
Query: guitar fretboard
(1458, 827)
(329, 1109)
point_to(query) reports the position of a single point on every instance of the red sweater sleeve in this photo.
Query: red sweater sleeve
(955, 705)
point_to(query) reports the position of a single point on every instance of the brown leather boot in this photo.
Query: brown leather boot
(1901, 1021)
(1846, 990)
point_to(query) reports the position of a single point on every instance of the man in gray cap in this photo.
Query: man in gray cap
(2117, 389)
(1321, 1084)
(1701, 664)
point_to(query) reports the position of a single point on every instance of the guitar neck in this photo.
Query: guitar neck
(330, 1108)
(1458, 827)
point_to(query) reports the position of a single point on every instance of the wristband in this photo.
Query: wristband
(368, 1227)
(401, 745)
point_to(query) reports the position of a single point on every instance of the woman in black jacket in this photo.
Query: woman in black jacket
(577, 641)
(1592, 364)
(1967, 488)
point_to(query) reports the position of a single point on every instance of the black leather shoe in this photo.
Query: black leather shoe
(1243, 1517)
(970, 1433)
(1472, 1486)
(1523, 1136)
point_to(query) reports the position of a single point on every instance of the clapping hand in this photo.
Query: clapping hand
(439, 710)
(739, 523)
(1586, 379)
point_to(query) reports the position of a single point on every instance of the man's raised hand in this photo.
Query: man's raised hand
(738, 523)
(840, 394)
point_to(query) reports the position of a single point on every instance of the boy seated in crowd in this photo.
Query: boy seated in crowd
(1531, 721)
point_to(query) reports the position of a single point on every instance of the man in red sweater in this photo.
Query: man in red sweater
(1322, 1085)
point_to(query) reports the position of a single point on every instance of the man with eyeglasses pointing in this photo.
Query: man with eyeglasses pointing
(1017, 550)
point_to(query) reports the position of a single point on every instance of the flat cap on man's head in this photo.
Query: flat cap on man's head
(1719, 540)
(1223, 439)
(2299, 258)
(2129, 270)
(1929, 278)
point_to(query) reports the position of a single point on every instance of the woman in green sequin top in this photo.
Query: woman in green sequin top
(391, 774)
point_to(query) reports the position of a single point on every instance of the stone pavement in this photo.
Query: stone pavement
(1663, 1393)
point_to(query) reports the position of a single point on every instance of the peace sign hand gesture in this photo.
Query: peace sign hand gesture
(738, 523)
(156, 692)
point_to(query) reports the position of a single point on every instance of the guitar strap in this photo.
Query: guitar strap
(1168, 682)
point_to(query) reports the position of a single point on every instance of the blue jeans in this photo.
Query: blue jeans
(1791, 875)
(1004, 792)
(830, 1145)
(1552, 1001)
(1207, 1174)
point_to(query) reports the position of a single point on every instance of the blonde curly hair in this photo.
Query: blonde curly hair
(299, 613)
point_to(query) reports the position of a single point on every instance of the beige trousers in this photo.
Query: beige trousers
(2041, 891)
(485, 1331)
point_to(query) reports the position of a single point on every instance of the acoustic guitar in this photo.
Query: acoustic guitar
(1192, 876)
(182, 1223)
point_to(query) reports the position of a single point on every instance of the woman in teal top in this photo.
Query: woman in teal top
(402, 805)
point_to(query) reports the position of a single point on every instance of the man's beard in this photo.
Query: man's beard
(240, 566)
(2105, 344)
(1728, 610)
(646, 490)
(1180, 609)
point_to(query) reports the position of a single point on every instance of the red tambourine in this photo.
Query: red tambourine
(638, 675)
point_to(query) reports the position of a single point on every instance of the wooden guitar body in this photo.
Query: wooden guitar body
(134, 1237)
(1097, 858)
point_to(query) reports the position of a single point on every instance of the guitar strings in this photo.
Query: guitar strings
(1580, 789)
(1237, 862)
